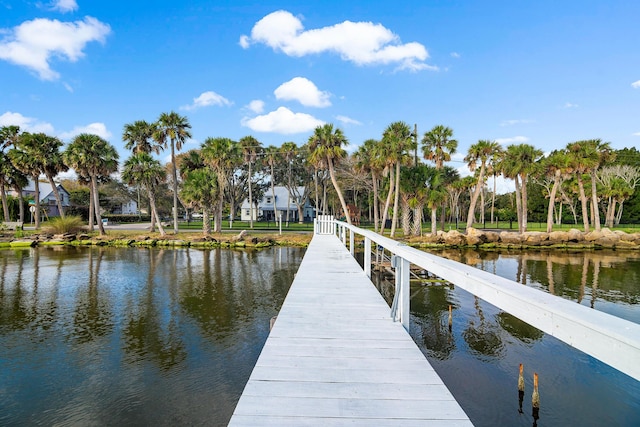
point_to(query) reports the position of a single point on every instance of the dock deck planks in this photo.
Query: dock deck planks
(335, 357)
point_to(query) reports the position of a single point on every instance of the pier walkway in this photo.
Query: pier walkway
(336, 357)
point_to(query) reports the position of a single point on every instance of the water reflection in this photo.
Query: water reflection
(133, 336)
(479, 359)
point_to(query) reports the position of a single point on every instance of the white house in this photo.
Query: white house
(130, 207)
(268, 208)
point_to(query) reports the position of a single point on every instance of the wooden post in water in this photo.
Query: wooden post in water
(520, 388)
(535, 400)
(450, 318)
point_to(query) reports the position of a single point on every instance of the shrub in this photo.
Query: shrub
(68, 224)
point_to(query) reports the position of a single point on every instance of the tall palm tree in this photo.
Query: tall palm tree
(141, 168)
(138, 137)
(325, 147)
(174, 128)
(438, 145)
(557, 167)
(367, 161)
(519, 162)
(8, 137)
(583, 158)
(250, 147)
(604, 155)
(289, 150)
(222, 154)
(53, 164)
(94, 158)
(26, 156)
(272, 155)
(402, 142)
(482, 151)
(200, 188)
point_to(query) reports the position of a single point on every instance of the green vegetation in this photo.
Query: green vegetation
(66, 224)
(384, 184)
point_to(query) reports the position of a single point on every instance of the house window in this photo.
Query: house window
(247, 212)
(269, 199)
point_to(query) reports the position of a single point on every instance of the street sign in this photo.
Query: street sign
(32, 209)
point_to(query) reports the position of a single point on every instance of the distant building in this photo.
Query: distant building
(268, 208)
(47, 198)
(130, 207)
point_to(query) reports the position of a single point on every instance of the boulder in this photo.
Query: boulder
(575, 235)
(510, 237)
(454, 238)
(558, 237)
(534, 237)
(475, 237)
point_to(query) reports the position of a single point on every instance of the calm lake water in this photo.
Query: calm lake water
(106, 336)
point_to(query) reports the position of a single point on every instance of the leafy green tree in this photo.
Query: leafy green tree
(93, 158)
(325, 147)
(176, 129)
(367, 161)
(141, 168)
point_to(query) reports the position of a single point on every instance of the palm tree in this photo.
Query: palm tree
(482, 151)
(519, 162)
(289, 151)
(438, 145)
(583, 158)
(402, 142)
(222, 154)
(8, 137)
(367, 161)
(94, 158)
(250, 147)
(138, 137)
(143, 169)
(556, 166)
(604, 154)
(325, 147)
(272, 155)
(175, 128)
(53, 164)
(200, 188)
(27, 158)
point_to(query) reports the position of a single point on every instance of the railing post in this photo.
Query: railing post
(400, 309)
(344, 234)
(352, 237)
(367, 257)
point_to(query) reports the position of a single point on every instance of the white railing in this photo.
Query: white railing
(609, 339)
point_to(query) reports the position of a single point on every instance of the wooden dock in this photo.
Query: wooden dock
(335, 357)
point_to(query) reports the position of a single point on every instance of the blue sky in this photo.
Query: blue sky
(541, 72)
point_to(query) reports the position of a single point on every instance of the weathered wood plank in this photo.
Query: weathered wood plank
(335, 357)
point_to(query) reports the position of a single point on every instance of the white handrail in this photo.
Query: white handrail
(609, 339)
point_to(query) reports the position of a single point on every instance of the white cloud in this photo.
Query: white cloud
(32, 44)
(283, 121)
(304, 91)
(636, 134)
(257, 106)
(512, 140)
(363, 43)
(455, 55)
(348, 120)
(636, 84)
(65, 5)
(570, 105)
(207, 99)
(515, 122)
(94, 128)
(26, 124)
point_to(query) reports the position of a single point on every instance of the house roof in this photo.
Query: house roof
(45, 188)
